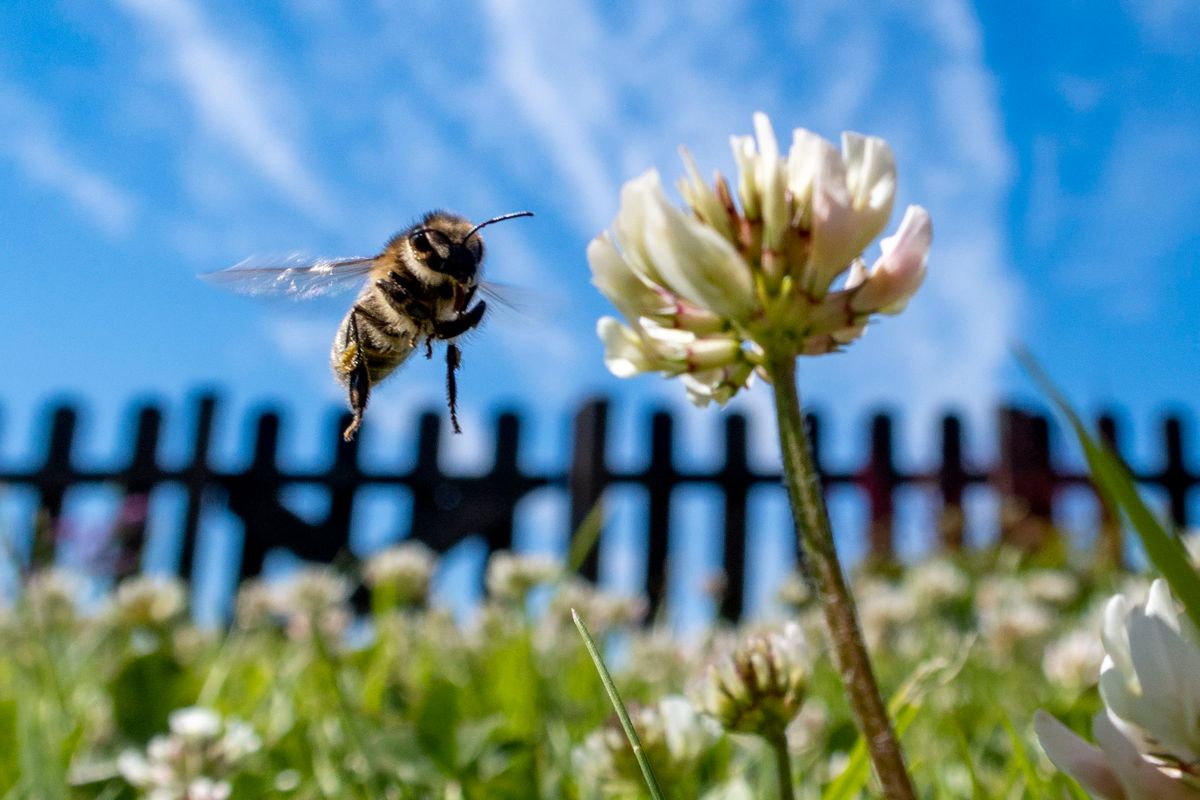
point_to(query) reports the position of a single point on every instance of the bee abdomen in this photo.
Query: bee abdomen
(382, 344)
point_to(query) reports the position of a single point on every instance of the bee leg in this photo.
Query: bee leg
(453, 361)
(358, 381)
(403, 291)
(460, 324)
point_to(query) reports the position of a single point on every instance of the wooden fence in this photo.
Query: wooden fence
(446, 507)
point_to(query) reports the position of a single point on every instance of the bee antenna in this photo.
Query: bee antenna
(500, 218)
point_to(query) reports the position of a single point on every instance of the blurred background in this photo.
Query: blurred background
(145, 141)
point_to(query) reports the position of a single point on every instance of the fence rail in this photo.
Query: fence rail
(447, 507)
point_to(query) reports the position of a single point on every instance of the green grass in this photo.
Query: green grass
(411, 704)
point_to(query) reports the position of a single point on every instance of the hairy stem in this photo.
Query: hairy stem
(824, 572)
(783, 766)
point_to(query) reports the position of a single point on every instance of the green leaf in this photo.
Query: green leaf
(1165, 551)
(145, 691)
(437, 719)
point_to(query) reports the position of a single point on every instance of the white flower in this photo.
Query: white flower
(706, 291)
(1150, 679)
(313, 593)
(1148, 737)
(511, 576)
(52, 595)
(1052, 586)
(194, 760)
(674, 737)
(404, 570)
(1073, 661)
(936, 581)
(207, 789)
(149, 600)
(195, 723)
(1114, 770)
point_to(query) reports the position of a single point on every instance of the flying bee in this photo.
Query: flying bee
(418, 290)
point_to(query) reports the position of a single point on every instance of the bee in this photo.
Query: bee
(418, 290)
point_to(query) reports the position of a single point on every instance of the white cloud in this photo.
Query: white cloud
(1169, 25)
(229, 95)
(29, 139)
(559, 104)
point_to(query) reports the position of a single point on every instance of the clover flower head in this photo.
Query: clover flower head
(149, 600)
(194, 761)
(674, 736)
(52, 595)
(404, 571)
(761, 685)
(511, 576)
(707, 289)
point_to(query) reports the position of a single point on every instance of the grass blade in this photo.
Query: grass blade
(1164, 550)
(622, 714)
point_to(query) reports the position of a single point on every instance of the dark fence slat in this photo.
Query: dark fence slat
(588, 473)
(448, 507)
(659, 479)
(736, 480)
(879, 479)
(505, 486)
(141, 476)
(952, 484)
(196, 478)
(1108, 542)
(56, 476)
(1175, 477)
(1025, 479)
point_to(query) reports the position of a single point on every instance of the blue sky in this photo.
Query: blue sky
(144, 141)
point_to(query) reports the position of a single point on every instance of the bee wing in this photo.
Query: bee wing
(295, 276)
(518, 299)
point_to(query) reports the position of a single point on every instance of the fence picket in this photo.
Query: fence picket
(448, 507)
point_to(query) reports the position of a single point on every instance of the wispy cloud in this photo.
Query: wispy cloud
(30, 140)
(230, 96)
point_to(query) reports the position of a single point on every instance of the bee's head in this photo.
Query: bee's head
(448, 244)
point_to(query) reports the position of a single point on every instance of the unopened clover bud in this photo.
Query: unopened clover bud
(761, 686)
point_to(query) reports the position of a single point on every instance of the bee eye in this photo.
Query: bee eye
(421, 243)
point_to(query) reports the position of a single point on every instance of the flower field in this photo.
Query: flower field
(303, 698)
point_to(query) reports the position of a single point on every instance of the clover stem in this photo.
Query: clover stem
(824, 573)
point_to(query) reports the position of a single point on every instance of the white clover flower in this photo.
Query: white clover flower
(256, 604)
(511, 576)
(403, 570)
(313, 593)
(52, 595)
(1073, 660)
(603, 610)
(1148, 737)
(760, 686)
(1008, 616)
(194, 760)
(936, 581)
(884, 610)
(195, 723)
(706, 290)
(674, 736)
(149, 600)
(1052, 586)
